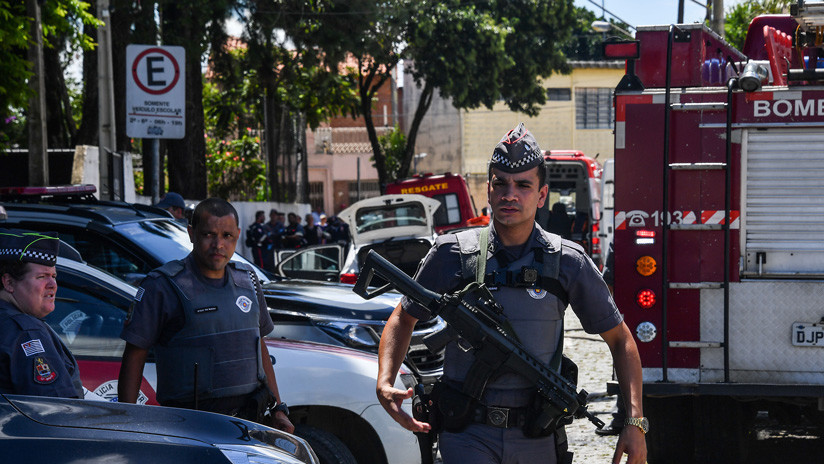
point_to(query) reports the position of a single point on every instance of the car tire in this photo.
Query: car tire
(328, 448)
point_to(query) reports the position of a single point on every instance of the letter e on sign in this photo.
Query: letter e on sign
(155, 92)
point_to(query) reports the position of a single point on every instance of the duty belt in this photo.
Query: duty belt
(500, 417)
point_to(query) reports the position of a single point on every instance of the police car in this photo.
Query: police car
(330, 390)
(60, 430)
(129, 240)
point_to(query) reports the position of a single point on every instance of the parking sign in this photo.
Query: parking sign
(155, 92)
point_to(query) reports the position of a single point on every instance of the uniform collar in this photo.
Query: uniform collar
(536, 240)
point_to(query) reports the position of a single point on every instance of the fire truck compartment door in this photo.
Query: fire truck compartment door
(782, 221)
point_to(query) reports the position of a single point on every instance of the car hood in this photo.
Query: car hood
(327, 299)
(183, 423)
(430, 205)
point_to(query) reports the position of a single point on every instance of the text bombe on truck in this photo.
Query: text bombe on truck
(574, 181)
(719, 229)
(457, 208)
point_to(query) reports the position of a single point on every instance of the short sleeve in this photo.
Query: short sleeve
(155, 310)
(440, 272)
(588, 293)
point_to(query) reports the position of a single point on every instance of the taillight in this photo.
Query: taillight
(645, 298)
(644, 237)
(596, 242)
(646, 265)
(348, 278)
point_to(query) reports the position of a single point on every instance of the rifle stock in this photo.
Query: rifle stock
(477, 320)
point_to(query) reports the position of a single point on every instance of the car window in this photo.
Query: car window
(387, 216)
(88, 316)
(165, 240)
(320, 259)
(449, 212)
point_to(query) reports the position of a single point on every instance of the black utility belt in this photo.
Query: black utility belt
(498, 416)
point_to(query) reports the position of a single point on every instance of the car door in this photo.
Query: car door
(319, 262)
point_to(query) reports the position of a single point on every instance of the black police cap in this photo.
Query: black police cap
(517, 151)
(29, 247)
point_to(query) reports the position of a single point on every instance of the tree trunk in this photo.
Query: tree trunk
(121, 19)
(59, 120)
(424, 102)
(187, 156)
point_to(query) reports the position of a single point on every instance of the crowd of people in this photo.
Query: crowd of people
(266, 238)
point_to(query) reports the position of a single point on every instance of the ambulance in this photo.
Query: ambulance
(457, 207)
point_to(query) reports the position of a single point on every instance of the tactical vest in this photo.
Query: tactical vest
(221, 336)
(535, 314)
(73, 388)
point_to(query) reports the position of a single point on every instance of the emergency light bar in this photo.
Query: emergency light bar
(54, 190)
(623, 50)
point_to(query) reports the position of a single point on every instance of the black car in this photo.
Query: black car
(129, 240)
(60, 430)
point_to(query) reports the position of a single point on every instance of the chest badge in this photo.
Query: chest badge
(43, 374)
(536, 293)
(244, 303)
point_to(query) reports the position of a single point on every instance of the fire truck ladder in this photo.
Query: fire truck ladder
(676, 34)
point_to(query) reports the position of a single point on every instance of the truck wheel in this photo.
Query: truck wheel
(328, 448)
(670, 438)
(721, 431)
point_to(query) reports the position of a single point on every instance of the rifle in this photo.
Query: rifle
(476, 318)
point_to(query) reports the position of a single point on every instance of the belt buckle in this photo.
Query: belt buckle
(497, 417)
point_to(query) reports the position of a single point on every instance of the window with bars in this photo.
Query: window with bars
(316, 196)
(368, 189)
(593, 108)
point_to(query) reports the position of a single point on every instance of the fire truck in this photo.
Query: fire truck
(574, 180)
(719, 231)
(457, 207)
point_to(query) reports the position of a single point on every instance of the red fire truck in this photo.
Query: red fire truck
(719, 231)
(574, 180)
(457, 208)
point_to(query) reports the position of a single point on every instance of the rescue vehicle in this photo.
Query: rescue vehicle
(574, 180)
(457, 207)
(719, 219)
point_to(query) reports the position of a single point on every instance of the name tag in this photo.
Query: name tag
(207, 309)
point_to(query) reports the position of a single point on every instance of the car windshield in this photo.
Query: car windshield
(388, 216)
(168, 240)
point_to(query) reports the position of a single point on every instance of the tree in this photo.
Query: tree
(474, 53)
(738, 18)
(62, 26)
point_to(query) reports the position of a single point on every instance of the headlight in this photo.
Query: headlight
(354, 335)
(250, 454)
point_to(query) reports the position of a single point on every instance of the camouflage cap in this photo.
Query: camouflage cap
(29, 247)
(517, 151)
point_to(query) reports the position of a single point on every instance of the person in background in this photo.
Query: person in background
(274, 239)
(293, 236)
(205, 318)
(256, 238)
(312, 233)
(33, 359)
(174, 204)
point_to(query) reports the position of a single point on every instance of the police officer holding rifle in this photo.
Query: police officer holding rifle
(492, 406)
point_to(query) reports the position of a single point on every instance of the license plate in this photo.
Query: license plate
(805, 334)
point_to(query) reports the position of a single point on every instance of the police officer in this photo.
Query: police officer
(256, 238)
(533, 274)
(33, 359)
(206, 318)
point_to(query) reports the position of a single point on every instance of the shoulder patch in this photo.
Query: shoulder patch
(139, 295)
(33, 347)
(43, 373)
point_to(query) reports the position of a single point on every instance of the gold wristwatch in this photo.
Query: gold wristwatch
(640, 422)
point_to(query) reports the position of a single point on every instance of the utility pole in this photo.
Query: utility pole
(717, 22)
(105, 103)
(680, 11)
(36, 117)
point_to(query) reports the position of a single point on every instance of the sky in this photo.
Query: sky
(650, 12)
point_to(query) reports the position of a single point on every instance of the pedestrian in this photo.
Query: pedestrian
(33, 359)
(293, 235)
(256, 238)
(312, 233)
(205, 317)
(274, 239)
(535, 273)
(174, 204)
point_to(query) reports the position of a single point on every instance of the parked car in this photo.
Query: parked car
(399, 227)
(129, 240)
(330, 390)
(61, 430)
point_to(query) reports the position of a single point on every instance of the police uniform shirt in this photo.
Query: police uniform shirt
(158, 315)
(589, 297)
(33, 359)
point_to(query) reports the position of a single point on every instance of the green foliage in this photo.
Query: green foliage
(584, 43)
(234, 168)
(393, 145)
(737, 19)
(62, 22)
